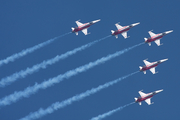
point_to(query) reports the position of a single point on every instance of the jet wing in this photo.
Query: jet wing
(146, 62)
(153, 70)
(157, 42)
(85, 31)
(79, 23)
(124, 34)
(148, 101)
(151, 33)
(118, 26)
(142, 94)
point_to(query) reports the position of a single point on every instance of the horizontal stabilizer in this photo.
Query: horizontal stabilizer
(135, 99)
(149, 44)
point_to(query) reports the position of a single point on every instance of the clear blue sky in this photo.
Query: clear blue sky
(24, 24)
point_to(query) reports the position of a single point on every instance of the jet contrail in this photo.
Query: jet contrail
(28, 50)
(7, 100)
(100, 117)
(23, 73)
(58, 105)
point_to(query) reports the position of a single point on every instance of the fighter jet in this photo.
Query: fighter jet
(83, 27)
(156, 37)
(146, 97)
(122, 30)
(151, 66)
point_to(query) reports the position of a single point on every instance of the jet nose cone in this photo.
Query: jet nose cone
(95, 21)
(163, 60)
(158, 91)
(167, 32)
(135, 24)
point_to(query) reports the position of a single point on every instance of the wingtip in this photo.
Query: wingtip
(77, 20)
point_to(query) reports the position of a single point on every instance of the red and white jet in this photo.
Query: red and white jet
(156, 37)
(83, 27)
(146, 97)
(151, 66)
(122, 30)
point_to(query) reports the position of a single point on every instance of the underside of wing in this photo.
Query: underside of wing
(79, 23)
(146, 62)
(148, 101)
(153, 70)
(157, 42)
(141, 93)
(85, 31)
(118, 26)
(151, 33)
(124, 34)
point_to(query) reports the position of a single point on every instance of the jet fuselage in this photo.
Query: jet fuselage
(124, 29)
(84, 26)
(152, 65)
(150, 95)
(147, 96)
(156, 37)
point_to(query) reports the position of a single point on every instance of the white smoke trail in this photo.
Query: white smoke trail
(100, 117)
(58, 105)
(28, 50)
(7, 100)
(23, 73)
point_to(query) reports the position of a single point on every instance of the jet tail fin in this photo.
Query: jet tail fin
(147, 42)
(73, 31)
(136, 100)
(140, 67)
(145, 39)
(112, 31)
(72, 28)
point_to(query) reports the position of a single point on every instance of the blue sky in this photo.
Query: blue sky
(27, 23)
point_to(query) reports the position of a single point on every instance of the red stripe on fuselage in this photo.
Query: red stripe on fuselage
(149, 67)
(144, 98)
(119, 31)
(154, 38)
(81, 28)
(82, 25)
